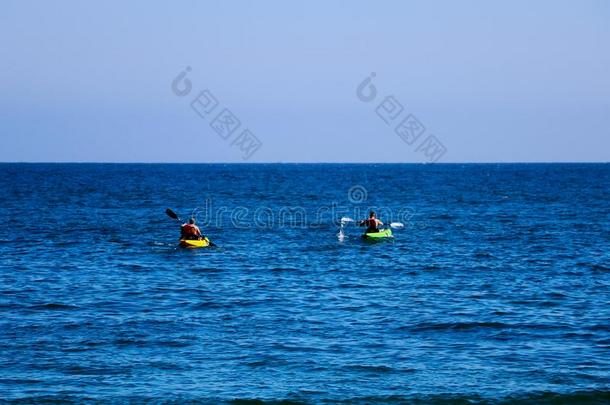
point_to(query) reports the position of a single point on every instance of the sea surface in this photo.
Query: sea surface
(496, 290)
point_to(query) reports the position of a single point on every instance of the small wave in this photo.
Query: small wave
(432, 267)
(591, 397)
(443, 216)
(500, 237)
(375, 368)
(261, 402)
(67, 243)
(543, 398)
(266, 361)
(18, 381)
(281, 269)
(207, 270)
(556, 295)
(163, 365)
(483, 255)
(52, 306)
(447, 326)
(552, 398)
(536, 302)
(600, 327)
(130, 342)
(502, 313)
(132, 266)
(599, 268)
(175, 343)
(77, 369)
(291, 348)
(207, 305)
(603, 342)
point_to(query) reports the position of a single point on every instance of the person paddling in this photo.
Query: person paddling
(372, 223)
(190, 231)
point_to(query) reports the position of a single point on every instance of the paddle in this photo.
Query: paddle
(175, 216)
(395, 225)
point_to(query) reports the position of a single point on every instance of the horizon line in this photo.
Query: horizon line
(300, 163)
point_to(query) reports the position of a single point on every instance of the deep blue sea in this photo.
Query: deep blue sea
(496, 290)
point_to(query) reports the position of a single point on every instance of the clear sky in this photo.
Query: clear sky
(493, 81)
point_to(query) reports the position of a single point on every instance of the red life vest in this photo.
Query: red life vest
(190, 229)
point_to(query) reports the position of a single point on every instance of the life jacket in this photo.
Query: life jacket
(189, 229)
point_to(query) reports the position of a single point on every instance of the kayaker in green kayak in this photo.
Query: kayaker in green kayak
(190, 231)
(372, 223)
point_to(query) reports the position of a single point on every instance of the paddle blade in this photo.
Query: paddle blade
(171, 214)
(397, 225)
(346, 220)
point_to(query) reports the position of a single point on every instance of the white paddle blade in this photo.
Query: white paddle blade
(346, 220)
(397, 225)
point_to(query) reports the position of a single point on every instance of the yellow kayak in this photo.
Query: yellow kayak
(194, 243)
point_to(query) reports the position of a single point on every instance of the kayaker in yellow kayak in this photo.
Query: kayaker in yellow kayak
(372, 223)
(190, 231)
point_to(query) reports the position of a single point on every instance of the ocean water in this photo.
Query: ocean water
(497, 289)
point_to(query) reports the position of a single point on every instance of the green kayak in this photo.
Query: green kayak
(384, 233)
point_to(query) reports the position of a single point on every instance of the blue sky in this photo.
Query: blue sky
(492, 81)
